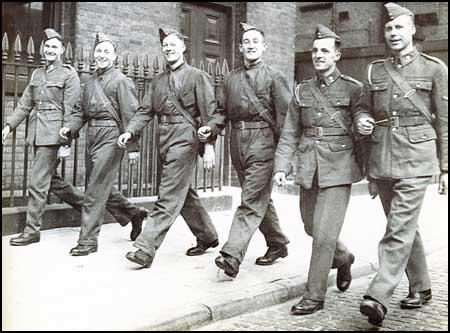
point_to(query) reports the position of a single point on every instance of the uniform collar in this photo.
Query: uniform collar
(53, 65)
(253, 64)
(402, 61)
(177, 67)
(101, 73)
(329, 79)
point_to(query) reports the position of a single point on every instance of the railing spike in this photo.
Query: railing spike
(30, 50)
(5, 46)
(202, 65)
(41, 53)
(17, 48)
(68, 54)
(217, 69)
(136, 65)
(193, 62)
(225, 69)
(156, 65)
(210, 70)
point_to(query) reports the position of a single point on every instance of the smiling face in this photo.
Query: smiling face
(399, 33)
(104, 55)
(252, 46)
(53, 49)
(325, 55)
(173, 48)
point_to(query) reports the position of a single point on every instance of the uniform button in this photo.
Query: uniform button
(394, 113)
(40, 102)
(394, 129)
(319, 113)
(395, 96)
(399, 66)
(424, 136)
(338, 102)
(342, 146)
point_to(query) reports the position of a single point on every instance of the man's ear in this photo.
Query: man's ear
(241, 49)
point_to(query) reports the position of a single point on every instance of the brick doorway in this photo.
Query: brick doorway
(208, 30)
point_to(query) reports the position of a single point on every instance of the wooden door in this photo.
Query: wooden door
(207, 29)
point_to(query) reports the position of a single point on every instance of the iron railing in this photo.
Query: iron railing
(140, 179)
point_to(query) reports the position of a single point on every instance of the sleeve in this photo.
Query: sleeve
(363, 104)
(128, 104)
(72, 96)
(211, 115)
(143, 114)
(282, 96)
(77, 117)
(440, 110)
(290, 138)
(23, 108)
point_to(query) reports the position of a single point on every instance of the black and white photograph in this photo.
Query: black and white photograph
(224, 166)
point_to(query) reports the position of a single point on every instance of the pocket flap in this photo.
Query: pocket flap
(424, 85)
(34, 83)
(338, 146)
(339, 101)
(54, 116)
(55, 84)
(305, 102)
(303, 146)
(422, 135)
(377, 134)
(379, 86)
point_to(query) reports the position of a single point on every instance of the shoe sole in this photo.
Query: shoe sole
(304, 313)
(368, 312)
(222, 267)
(23, 244)
(284, 255)
(213, 245)
(412, 307)
(82, 254)
(138, 262)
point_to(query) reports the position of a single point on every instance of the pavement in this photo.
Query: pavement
(44, 288)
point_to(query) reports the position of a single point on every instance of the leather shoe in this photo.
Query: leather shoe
(136, 223)
(140, 257)
(374, 310)
(271, 255)
(83, 250)
(229, 264)
(416, 300)
(306, 307)
(201, 248)
(344, 274)
(25, 239)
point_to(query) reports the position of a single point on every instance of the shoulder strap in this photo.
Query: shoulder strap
(262, 111)
(185, 113)
(335, 115)
(409, 92)
(107, 103)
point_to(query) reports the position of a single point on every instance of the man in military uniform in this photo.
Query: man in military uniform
(183, 98)
(255, 99)
(108, 101)
(319, 127)
(405, 109)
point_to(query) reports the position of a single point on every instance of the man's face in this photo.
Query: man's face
(324, 54)
(252, 45)
(104, 55)
(399, 33)
(173, 48)
(53, 49)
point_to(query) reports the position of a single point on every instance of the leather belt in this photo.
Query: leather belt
(163, 119)
(324, 131)
(401, 122)
(43, 106)
(250, 124)
(102, 123)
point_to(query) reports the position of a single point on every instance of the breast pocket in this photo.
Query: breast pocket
(423, 88)
(188, 99)
(307, 115)
(380, 99)
(55, 91)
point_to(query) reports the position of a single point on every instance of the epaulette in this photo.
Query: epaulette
(297, 89)
(349, 78)
(369, 69)
(434, 59)
(377, 61)
(68, 66)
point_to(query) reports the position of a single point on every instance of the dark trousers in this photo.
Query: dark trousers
(44, 178)
(323, 213)
(178, 150)
(252, 155)
(401, 247)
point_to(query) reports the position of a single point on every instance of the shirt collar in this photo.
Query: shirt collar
(101, 73)
(53, 65)
(402, 61)
(253, 64)
(179, 66)
(329, 79)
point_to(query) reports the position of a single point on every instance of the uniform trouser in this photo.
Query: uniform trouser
(102, 160)
(178, 149)
(401, 247)
(323, 213)
(252, 156)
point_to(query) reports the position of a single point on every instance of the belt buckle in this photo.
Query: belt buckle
(318, 131)
(394, 121)
(241, 125)
(163, 119)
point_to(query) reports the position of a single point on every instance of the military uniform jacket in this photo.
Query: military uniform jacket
(415, 150)
(330, 156)
(120, 92)
(194, 91)
(53, 93)
(270, 86)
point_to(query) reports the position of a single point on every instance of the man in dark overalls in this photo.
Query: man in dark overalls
(108, 102)
(255, 100)
(183, 98)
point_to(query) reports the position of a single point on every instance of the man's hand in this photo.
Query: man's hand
(5, 132)
(123, 139)
(443, 183)
(64, 152)
(373, 189)
(63, 133)
(204, 133)
(365, 125)
(280, 178)
(133, 157)
(209, 157)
